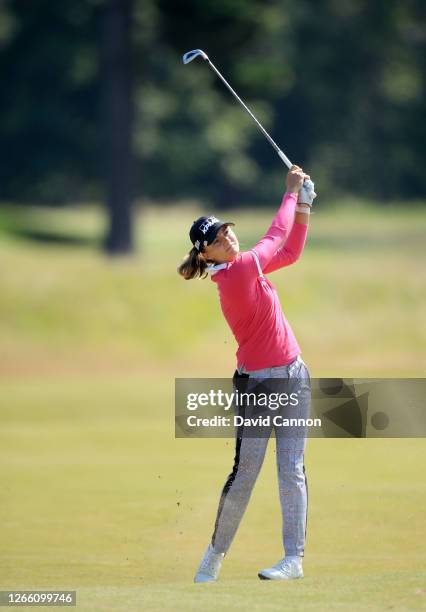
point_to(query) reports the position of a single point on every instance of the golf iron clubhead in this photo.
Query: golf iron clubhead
(191, 55)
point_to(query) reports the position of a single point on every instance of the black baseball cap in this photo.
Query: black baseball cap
(204, 230)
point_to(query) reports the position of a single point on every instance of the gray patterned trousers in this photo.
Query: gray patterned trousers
(249, 455)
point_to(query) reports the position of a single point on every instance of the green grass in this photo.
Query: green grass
(97, 494)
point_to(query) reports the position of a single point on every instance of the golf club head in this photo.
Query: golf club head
(190, 55)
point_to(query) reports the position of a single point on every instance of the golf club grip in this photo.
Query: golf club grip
(284, 158)
(306, 183)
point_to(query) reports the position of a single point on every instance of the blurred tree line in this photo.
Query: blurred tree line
(96, 102)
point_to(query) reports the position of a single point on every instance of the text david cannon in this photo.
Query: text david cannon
(237, 421)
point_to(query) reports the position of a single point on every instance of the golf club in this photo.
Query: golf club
(191, 55)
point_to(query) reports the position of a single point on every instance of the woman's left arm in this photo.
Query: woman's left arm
(293, 246)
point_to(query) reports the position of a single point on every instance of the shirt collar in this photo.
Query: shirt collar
(213, 269)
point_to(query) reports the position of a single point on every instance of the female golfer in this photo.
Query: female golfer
(267, 349)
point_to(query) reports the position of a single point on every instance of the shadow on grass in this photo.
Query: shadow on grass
(38, 227)
(52, 237)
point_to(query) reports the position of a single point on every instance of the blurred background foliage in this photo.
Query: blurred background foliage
(339, 83)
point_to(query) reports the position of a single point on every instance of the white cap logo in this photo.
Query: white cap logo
(204, 228)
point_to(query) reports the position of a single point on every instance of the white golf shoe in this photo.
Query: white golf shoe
(286, 569)
(210, 566)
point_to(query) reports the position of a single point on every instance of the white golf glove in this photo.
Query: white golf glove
(307, 193)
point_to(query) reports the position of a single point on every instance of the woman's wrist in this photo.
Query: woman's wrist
(303, 208)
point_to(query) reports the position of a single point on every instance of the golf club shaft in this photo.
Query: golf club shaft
(283, 157)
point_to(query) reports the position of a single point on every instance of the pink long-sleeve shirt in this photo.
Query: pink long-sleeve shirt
(250, 302)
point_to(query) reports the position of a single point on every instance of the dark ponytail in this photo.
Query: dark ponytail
(193, 266)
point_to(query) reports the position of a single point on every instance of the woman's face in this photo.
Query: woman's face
(224, 248)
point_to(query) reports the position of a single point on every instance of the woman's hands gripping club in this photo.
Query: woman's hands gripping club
(299, 182)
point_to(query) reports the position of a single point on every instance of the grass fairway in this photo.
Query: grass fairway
(98, 496)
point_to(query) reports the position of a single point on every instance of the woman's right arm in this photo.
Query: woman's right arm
(291, 250)
(245, 269)
(283, 220)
